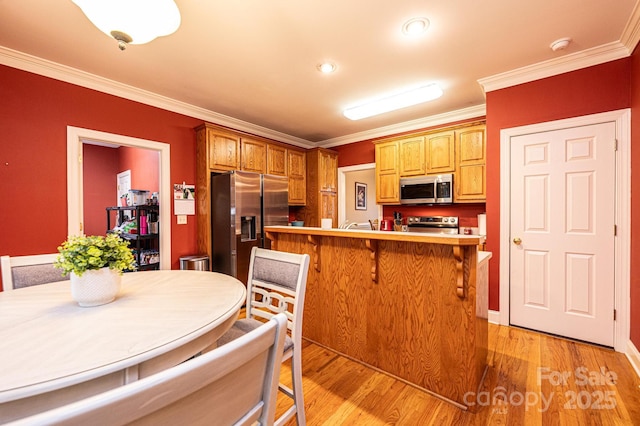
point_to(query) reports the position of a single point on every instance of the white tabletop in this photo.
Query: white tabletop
(48, 342)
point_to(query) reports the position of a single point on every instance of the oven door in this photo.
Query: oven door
(417, 191)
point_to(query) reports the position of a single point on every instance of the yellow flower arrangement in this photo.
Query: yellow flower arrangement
(82, 253)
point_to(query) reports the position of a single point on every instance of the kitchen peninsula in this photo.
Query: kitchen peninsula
(410, 304)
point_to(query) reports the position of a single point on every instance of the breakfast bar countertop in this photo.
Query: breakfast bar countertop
(415, 237)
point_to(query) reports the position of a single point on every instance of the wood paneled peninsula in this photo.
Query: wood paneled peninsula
(412, 305)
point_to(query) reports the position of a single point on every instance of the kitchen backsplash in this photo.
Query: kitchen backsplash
(467, 213)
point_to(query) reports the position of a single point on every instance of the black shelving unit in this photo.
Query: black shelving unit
(137, 241)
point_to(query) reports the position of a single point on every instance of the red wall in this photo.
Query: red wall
(355, 153)
(35, 113)
(588, 91)
(144, 165)
(100, 166)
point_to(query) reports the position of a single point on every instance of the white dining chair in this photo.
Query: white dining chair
(236, 384)
(276, 284)
(26, 271)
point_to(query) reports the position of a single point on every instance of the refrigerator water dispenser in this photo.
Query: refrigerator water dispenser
(248, 228)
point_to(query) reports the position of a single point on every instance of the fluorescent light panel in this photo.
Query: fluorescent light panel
(412, 97)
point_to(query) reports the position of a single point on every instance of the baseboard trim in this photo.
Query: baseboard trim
(494, 317)
(633, 356)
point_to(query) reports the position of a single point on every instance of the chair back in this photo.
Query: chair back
(276, 284)
(235, 384)
(26, 271)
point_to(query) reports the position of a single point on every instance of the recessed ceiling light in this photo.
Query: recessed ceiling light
(395, 101)
(415, 26)
(326, 67)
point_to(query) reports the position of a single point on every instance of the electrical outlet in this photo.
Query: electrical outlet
(182, 219)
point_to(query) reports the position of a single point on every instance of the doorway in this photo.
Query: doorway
(562, 231)
(512, 140)
(76, 137)
(347, 209)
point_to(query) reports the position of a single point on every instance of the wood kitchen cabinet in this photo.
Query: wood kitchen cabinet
(253, 155)
(219, 149)
(387, 173)
(328, 170)
(322, 188)
(440, 151)
(297, 172)
(470, 182)
(433, 153)
(412, 156)
(460, 150)
(276, 160)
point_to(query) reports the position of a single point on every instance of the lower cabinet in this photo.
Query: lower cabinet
(329, 207)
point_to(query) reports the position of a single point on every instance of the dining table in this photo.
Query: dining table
(53, 352)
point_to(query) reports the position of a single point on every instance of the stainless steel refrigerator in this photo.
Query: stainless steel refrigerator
(242, 204)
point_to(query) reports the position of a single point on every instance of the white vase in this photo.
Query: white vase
(95, 287)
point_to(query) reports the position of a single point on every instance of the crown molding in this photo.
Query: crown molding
(574, 61)
(36, 65)
(33, 64)
(631, 33)
(408, 126)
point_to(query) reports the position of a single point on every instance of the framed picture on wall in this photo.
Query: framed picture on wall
(361, 196)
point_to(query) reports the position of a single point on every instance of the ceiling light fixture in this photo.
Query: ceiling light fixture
(560, 44)
(393, 102)
(132, 21)
(326, 67)
(415, 26)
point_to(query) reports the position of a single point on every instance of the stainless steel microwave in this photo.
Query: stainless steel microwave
(432, 189)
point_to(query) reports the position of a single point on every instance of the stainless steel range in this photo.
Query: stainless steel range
(433, 224)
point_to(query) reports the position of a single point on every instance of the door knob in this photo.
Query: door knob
(517, 241)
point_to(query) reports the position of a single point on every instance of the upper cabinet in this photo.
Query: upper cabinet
(412, 156)
(387, 176)
(328, 170)
(430, 154)
(297, 165)
(222, 149)
(440, 149)
(459, 150)
(253, 155)
(276, 160)
(471, 145)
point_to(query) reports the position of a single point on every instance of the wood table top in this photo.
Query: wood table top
(48, 342)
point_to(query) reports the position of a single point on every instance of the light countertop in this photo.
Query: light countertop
(417, 237)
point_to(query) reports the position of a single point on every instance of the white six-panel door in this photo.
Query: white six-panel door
(562, 232)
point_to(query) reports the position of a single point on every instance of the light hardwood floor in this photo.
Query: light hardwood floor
(533, 379)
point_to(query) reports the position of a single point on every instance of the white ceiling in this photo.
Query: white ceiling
(251, 64)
